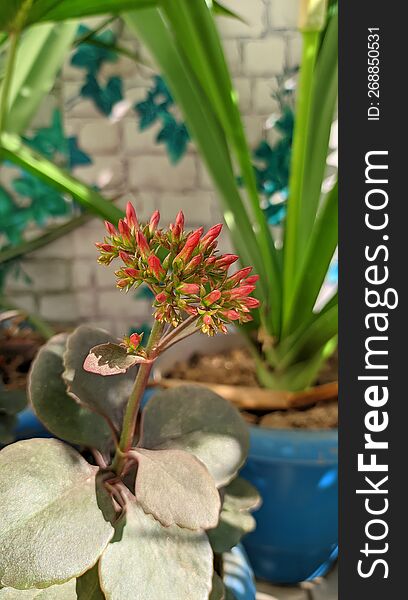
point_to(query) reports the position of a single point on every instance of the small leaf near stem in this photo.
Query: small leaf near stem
(132, 409)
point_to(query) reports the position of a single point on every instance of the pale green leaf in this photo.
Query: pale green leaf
(198, 420)
(66, 591)
(105, 395)
(55, 514)
(218, 589)
(11, 401)
(59, 412)
(165, 562)
(176, 488)
(233, 525)
(110, 359)
(241, 495)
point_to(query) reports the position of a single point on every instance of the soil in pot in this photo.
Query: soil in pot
(237, 367)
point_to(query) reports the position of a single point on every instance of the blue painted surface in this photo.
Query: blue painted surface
(29, 426)
(297, 525)
(238, 575)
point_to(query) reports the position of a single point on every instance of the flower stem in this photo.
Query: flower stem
(132, 409)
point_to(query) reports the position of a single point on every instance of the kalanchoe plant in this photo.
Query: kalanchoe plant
(155, 502)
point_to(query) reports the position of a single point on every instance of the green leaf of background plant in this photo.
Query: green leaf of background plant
(66, 591)
(176, 488)
(58, 411)
(197, 420)
(218, 589)
(54, 514)
(40, 55)
(233, 525)
(12, 148)
(166, 562)
(104, 395)
(8, 424)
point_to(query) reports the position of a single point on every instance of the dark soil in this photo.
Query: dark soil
(237, 367)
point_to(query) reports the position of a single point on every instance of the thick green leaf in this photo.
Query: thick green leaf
(176, 488)
(88, 587)
(58, 411)
(12, 401)
(233, 525)
(12, 149)
(110, 359)
(40, 55)
(221, 11)
(197, 420)
(7, 426)
(105, 395)
(9, 11)
(147, 560)
(241, 495)
(218, 589)
(66, 591)
(55, 515)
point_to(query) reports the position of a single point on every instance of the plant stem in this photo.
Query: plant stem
(175, 332)
(8, 76)
(132, 409)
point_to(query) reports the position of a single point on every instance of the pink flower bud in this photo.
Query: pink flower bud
(212, 297)
(132, 273)
(241, 292)
(193, 264)
(142, 244)
(239, 275)
(131, 218)
(180, 220)
(191, 244)
(231, 315)
(110, 228)
(127, 259)
(124, 229)
(208, 320)
(212, 233)
(154, 221)
(122, 283)
(189, 288)
(226, 260)
(156, 266)
(161, 297)
(191, 310)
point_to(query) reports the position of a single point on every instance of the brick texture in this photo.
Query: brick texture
(67, 285)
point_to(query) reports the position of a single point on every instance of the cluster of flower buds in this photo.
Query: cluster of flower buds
(183, 269)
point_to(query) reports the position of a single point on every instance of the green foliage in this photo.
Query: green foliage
(142, 528)
(11, 403)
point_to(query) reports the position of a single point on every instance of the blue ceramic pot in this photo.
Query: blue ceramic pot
(295, 472)
(238, 575)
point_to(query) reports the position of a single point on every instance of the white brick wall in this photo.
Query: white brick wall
(68, 285)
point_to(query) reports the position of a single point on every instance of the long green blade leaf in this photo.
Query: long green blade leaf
(12, 149)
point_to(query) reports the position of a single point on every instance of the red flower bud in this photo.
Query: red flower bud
(132, 273)
(110, 228)
(124, 229)
(180, 220)
(251, 302)
(239, 275)
(189, 288)
(226, 260)
(154, 221)
(142, 244)
(191, 244)
(135, 339)
(131, 218)
(156, 266)
(241, 292)
(191, 310)
(208, 320)
(127, 259)
(193, 264)
(212, 297)
(251, 280)
(105, 247)
(122, 283)
(231, 315)
(161, 297)
(212, 233)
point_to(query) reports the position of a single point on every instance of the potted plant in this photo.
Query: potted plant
(153, 501)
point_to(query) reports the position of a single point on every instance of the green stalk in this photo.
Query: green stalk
(297, 169)
(8, 76)
(132, 409)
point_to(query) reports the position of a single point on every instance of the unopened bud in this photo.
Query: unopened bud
(110, 228)
(132, 273)
(189, 288)
(142, 244)
(154, 221)
(124, 229)
(156, 266)
(212, 297)
(239, 275)
(127, 258)
(226, 260)
(131, 217)
(241, 292)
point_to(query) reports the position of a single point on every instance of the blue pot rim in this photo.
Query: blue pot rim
(303, 446)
